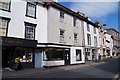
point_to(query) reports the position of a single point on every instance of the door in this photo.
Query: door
(67, 56)
(38, 59)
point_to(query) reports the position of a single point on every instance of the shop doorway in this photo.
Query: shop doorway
(67, 57)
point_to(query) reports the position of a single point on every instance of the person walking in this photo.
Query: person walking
(93, 57)
(99, 58)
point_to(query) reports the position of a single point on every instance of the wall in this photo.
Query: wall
(55, 24)
(16, 26)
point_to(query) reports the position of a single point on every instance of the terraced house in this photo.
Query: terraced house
(44, 34)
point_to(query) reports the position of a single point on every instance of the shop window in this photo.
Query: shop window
(31, 10)
(30, 31)
(3, 26)
(24, 54)
(51, 54)
(78, 55)
(5, 5)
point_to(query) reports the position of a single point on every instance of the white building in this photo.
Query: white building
(64, 37)
(109, 45)
(91, 34)
(21, 24)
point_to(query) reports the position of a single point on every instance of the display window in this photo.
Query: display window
(53, 54)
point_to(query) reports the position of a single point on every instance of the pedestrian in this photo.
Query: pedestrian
(18, 65)
(93, 57)
(99, 58)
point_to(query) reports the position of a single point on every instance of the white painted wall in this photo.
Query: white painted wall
(91, 32)
(16, 26)
(110, 45)
(73, 55)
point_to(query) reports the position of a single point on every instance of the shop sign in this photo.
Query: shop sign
(9, 41)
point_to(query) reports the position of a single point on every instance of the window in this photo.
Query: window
(89, 39)
(74, 21)
(94, 30)
(95, 41)
(61, 15)
(5, 5)
(75, 37)
(78, 55)
(53, 54)
(88, 27)
(31, 10)
(3, 26)
(62, 35)
(30, 31)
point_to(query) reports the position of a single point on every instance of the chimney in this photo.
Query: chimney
(97, 23)
(104, 26)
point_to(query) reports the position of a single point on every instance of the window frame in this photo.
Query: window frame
(95, 30)
(88, 27)
(8, 8)
(80, 56)
(8, 20)
(62, 15)
(62, 35)
(31, 3)
(74, 22)
(89, 42)
(34, 25)
(76, 39)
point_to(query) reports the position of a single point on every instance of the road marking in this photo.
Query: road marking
(116, 77)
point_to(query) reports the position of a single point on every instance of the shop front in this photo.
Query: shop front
(13, 48)
(56, 56)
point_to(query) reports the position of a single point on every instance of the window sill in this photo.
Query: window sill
(5, 10)
(31, 16)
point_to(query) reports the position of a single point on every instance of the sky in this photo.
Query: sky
(106, 12)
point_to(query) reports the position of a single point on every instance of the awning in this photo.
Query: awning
(11, 41)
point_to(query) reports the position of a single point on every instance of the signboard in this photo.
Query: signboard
(10, 41)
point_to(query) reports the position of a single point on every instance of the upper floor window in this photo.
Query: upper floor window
(88, 27)
(74, 21)
(4, 26)
(31, 10)
(62, 35)
(95, 41)
(5, 5)
(30, 31)
(89, 39)
(75, 37)
(94, 30)
(61, 15)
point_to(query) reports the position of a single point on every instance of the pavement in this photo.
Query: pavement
(27, 72)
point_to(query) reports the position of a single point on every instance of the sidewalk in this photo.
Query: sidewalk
(25, 72)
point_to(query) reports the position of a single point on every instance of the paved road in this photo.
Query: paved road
(107, 70)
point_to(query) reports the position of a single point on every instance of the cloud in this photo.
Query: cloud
(95, 9)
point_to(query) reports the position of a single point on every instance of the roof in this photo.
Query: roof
(69, 11)
(112, 29)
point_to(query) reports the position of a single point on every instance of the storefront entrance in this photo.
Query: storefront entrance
(67, 57)
(21, 49)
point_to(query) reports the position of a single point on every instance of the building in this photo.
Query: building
(109, 45)
(64, 37)
(91, 34)
(115, 35)
(21, 26)
(102, 38)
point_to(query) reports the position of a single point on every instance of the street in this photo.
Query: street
(106, 70)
